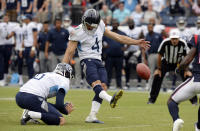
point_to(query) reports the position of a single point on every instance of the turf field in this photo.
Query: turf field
(131, 114)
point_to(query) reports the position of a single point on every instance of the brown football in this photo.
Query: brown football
(143, 71)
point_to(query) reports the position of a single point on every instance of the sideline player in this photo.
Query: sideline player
(33, 94)
(188, 88)
(18, 34)
(90, 34)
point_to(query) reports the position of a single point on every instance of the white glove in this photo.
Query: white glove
(137, 53)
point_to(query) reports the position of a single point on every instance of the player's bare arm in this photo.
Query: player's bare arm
(10, 35)
(32, 53)
(46, 49)
(158, 70)
(72, 45)
(189, 57)
(126, 40)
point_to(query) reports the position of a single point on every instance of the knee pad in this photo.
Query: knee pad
(97, 89)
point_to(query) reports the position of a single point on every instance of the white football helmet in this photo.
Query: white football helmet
(181, 23)
(66, 21)
(64, 70)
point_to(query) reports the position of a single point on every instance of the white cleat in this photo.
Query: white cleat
(21, 82)
(26, 118)
(2, 83)
(93, 119)
(178, 124)
(195, 126)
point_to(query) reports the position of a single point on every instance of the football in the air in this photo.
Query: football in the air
(143, 71)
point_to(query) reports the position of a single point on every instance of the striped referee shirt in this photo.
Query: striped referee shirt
(173, 54)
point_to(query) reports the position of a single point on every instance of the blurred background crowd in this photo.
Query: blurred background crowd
(49, 23)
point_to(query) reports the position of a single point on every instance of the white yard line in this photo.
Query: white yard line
(7, 98)
(118, 127)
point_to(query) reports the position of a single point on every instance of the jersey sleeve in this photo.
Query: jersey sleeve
(34, 27)
(102, 25)
(75, 34)
(63, 83)
(192, 42)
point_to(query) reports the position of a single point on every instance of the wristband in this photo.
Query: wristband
(21, 49)
(33, 48)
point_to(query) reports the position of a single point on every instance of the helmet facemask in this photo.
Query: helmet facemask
(64, 70)
(89, 31)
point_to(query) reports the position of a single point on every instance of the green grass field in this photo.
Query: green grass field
(131, 114)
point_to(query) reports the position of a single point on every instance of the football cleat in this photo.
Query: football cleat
(115, 98)
(93, 119)
(150, 101)
(178, 124)
(196, 128)
(25, 117)
(34, 121)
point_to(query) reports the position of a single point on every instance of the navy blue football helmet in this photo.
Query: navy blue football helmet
(91, 18)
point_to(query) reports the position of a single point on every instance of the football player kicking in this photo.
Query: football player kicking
(33, 94)
(189, 88)
(90, 34)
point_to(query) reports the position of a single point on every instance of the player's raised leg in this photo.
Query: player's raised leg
(96, 76)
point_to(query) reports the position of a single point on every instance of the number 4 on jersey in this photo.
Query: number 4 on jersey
(96, 45)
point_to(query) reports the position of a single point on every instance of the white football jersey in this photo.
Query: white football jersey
(3, 34)
(134, 33)
(157, 29)
(46, 85)
(28, 33)
(18, 30)
(70, 29)
(195, 31)
(8, 28)
(186, 34)
(90, 45)
(38, 26)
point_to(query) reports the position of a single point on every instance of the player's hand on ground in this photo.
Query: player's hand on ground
(187, 73)
(69, 107)
(157, 72)
(144, 44)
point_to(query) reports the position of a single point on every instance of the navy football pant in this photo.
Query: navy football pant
(50, 114)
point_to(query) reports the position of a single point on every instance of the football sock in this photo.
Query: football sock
(198, 123)
(5, 77)
(35, 115)
(97, 99)
(95, 108)
(104, 95)
(97, 89)
(50, 119)
(173, 110)
(20, 78)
